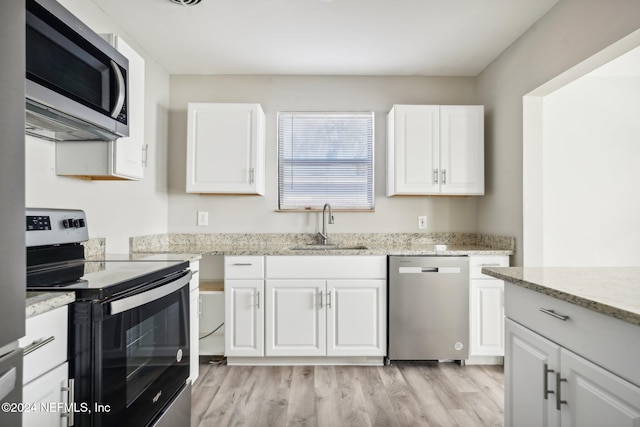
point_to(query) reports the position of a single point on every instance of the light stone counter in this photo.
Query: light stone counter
(613, 291)
(285, 244)
(41, 302)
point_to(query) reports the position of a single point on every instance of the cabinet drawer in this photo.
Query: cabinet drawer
(477, 262)
(52, 327)
(585, 332)
(326, 267)
(243, 267)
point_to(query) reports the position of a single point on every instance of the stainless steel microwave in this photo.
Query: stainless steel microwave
(76, 83)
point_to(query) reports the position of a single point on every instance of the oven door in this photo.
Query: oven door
(141, 353)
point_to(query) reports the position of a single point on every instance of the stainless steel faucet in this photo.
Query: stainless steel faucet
(324, 236)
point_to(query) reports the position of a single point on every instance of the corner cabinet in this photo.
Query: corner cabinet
(225, 149)
(435, 150)
(124, 158)
(568, 365)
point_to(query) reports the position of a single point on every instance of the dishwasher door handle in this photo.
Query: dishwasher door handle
(417, 270)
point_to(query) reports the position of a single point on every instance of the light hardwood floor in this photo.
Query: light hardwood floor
(403, 394)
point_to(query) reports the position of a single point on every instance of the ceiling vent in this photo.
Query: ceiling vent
(186, 2)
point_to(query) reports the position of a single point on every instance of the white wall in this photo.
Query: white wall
(309, 93)
(115, 210)
(590, 181)
(569, 33)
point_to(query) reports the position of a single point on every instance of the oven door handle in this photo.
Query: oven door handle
(143, 298)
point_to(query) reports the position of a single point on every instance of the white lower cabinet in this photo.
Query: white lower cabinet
(46, 384)
(49, 390)
(295, 323)
(486, 310)
(322, 308)
(316, 317)
(548, 385)
(244, 317)
(356, 317)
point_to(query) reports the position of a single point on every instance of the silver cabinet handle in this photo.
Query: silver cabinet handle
(251, 175)
(495, 264)
(329, 298)
(559, 400)
(545, 388)
(444, 176)
(435, 176)
(71, 397)
(38, 344)
(199, 306)
(242, 264)
(8, 382)
(258, 299)
(320, 299)
(554, 314)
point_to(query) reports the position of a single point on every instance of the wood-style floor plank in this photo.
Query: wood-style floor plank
(402, 394)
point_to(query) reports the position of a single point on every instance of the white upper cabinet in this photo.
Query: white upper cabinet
(225, 149)
(435, 150)
(124, 158)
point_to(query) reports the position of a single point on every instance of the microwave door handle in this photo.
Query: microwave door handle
(121, 90)
(143, 298)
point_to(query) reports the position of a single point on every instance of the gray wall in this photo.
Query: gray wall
(568, 34)
(311, 93)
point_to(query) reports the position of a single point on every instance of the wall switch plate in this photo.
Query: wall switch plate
(422, 222)
(203, 218)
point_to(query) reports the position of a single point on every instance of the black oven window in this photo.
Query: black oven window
(151, 349)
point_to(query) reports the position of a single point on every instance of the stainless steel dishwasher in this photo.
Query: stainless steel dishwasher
(428, 308)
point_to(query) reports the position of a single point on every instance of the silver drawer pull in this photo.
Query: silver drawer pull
(38, 344)
(495, 264)
(554, 314)
(242, 264)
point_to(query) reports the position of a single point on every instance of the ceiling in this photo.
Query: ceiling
(326, 37)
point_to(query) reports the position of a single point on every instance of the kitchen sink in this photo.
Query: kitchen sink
(329, 247)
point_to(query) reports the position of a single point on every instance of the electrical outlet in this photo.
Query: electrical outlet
(422, 222)
(203, 218)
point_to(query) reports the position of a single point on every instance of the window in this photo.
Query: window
(325, 158)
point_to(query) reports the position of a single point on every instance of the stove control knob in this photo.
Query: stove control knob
(82, 223)
(67, 223)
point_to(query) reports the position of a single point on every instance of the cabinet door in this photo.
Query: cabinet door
(123, 158)
(486, 311)
(295, 320)
(462, 149)
(225, 148)
(356, 317)
(594, 396)
(529, 366)
(128, 161)
(413, 150)
(244, 332)
(47, 389)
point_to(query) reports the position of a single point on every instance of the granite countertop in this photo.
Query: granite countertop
(613, 291)
(41, 302)
(342, 244)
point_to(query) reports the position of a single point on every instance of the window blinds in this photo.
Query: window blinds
(325, 158)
